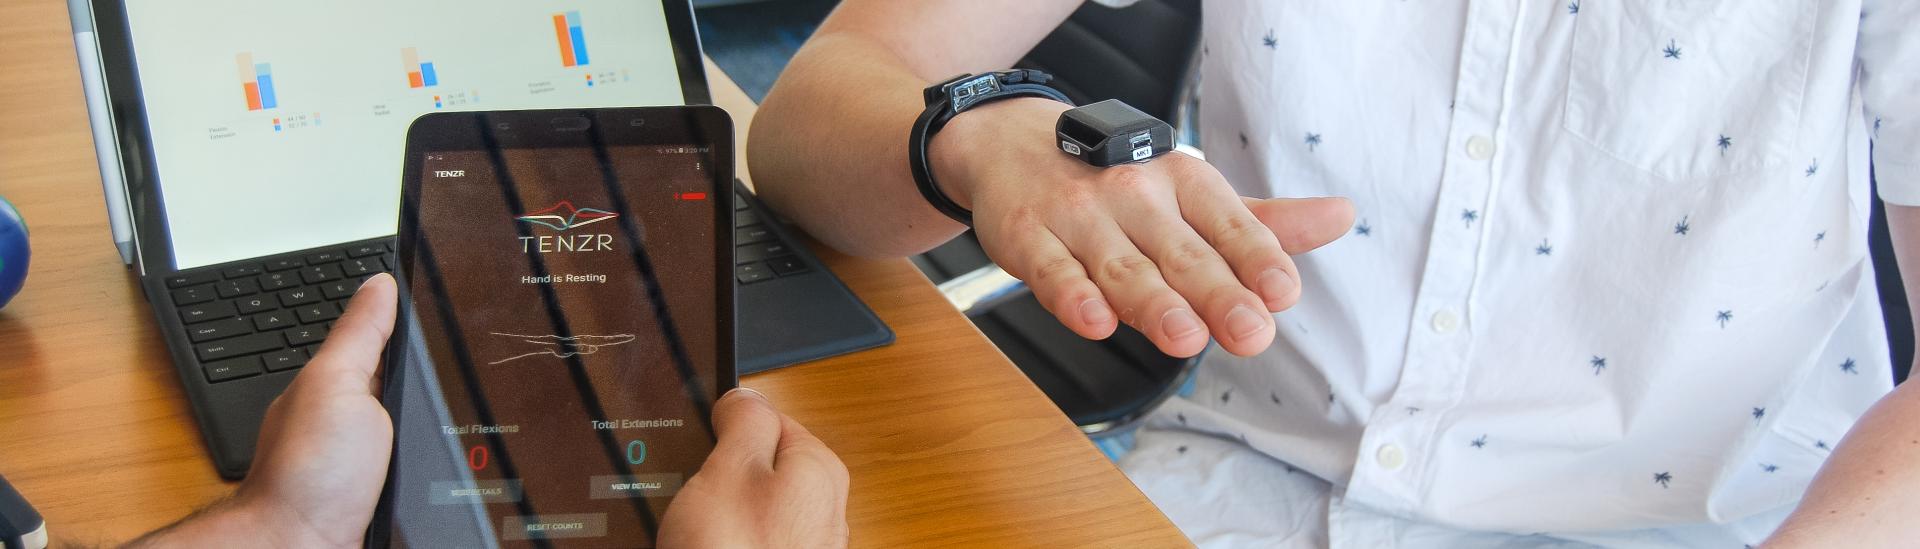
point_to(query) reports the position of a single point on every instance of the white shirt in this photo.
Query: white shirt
(1609, 281)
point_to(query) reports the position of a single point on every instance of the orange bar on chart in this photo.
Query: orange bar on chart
(566, 39)
(414, 80)
(253, 95)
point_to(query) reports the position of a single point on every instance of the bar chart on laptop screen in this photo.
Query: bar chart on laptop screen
(237, 88)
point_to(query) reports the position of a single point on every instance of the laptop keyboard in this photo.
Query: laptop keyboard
(759, 254)
(269, 316)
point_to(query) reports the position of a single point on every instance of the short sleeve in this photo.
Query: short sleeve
(1889, 84)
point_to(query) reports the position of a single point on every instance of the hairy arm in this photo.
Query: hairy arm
(833, 132)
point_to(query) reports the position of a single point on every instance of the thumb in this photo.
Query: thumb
(1303, 224)
(354, 345)
(747, 429)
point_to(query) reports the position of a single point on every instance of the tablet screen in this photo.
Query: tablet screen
(564, 342)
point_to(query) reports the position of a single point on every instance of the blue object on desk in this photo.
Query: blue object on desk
(13, 252)
(20, 526)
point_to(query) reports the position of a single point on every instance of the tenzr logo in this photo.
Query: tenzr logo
(563, 217)
(449, 173)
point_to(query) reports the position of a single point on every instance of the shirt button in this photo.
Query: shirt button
(1445, 322)
(1479, 147)
(1390, 457)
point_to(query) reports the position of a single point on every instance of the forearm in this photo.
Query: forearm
(1865, 494)
(831, 140)
(829, 144)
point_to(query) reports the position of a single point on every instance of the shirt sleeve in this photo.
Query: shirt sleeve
(1889, 81)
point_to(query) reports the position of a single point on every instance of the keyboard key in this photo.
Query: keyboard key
(788, 265)
(299, 296)
(745, 218)
(306, 334)
(202, 313)
(278, 281)
(273, 320)
(751, 273)
(279, 361)
(339, 289)
(328, 256)
(323, 273)
(184, 280)
(364, 250)
(218, 329)
(256, 304)
(318, 312)
(190, 296)
(243, 345)
(283, 264)
(236, 288)
(759, 252)
(242, 271)
(232, 369)
(752, 235)
(363, 267)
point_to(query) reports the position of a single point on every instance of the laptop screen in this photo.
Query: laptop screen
(279, 126)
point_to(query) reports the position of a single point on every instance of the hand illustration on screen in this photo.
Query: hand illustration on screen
(563, 347)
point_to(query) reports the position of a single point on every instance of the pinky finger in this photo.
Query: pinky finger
(1059, 282)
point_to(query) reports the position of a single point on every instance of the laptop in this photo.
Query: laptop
(251, 156)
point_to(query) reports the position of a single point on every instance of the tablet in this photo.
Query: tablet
(566, 323)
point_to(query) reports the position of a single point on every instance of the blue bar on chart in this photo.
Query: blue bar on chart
(572, 38)
(426, 74)
(263, 75)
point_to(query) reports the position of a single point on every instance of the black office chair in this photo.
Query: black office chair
(1142, 55)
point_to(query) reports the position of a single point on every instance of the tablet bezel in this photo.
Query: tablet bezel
(465, 131)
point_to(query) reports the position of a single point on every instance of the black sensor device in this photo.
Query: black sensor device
(1111, 133)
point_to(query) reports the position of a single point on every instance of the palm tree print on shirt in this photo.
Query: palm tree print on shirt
(1818, 238)
(1270, 41)
(1759, 412)
(1573, 8)
(1662, 478)
(1598, 363)
(1682, 227)
(1313, 141)
(1544, 248)
(1848, 367)
(1480, 442)
(1469, 216)
(1813, 168)
(1723, 143)
(1769, 467)
(1672, 51)
(1723, 317)
(1362, 228)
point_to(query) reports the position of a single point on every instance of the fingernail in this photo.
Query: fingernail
(370, 279)
(746, 392)
(1242, 322)
(1095, 312)
(1274, 285)
(1179, 323)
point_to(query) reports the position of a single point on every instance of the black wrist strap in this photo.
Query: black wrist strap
(947, 100)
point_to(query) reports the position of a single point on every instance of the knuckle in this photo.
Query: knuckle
(1242, 230)
(1187, 257)
(1127, 268)
(1130, 179)
(1057, 269)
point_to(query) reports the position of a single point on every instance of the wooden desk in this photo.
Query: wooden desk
(947, 442)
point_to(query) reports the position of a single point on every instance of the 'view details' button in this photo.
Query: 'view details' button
(455, 492)
(586, 525)
(635, 486)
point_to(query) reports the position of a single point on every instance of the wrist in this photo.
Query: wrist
(230, 522)
(986, 136)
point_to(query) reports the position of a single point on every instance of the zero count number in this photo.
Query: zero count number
(477, 458)
(636, 452)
